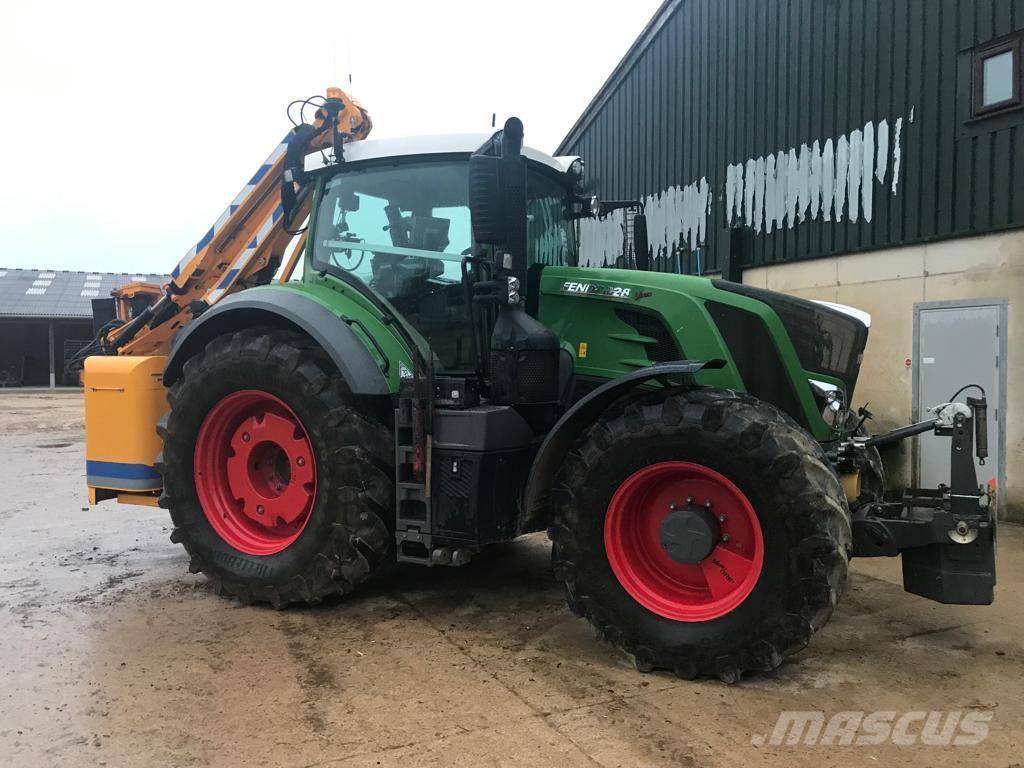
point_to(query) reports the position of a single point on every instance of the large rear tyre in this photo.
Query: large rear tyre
(701, 532)
(277, 486)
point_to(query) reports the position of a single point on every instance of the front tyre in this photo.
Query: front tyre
(278, 487)
(702, 532)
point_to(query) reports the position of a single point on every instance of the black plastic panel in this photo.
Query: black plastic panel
(826, 341)
(757, 360)
(481, 428)
(476, 495)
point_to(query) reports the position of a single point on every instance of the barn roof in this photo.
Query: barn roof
(57, 293)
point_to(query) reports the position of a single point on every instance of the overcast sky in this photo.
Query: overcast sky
(128, 127)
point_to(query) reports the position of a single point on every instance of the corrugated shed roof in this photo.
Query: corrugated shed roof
(60, 293)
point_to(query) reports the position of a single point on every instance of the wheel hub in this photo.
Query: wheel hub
(690, 562)
(270, 471)
(255, 472)
(689, 534)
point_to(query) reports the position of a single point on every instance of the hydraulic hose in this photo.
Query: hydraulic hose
(902, 433)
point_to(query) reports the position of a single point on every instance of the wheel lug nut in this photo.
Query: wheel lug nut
(689, 499)
(259, 509)
(707, 504)
(300, 461)
(725, 537)
(672, 507)
(721, 518)
(245, 437)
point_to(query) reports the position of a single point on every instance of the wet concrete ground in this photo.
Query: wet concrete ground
(112, 654)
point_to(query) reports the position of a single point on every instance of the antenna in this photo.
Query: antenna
(494, 118)
(350, 67)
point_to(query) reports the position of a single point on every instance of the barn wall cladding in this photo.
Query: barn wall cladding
(762, 131)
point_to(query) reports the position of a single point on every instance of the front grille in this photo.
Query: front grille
(825, 340)
(664, 349)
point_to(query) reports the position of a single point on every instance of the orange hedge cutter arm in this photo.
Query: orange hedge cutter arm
(245, 245)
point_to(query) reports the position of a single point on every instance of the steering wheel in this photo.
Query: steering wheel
(358, 264)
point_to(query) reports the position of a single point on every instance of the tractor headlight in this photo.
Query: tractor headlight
(830, 398)
(576, 169)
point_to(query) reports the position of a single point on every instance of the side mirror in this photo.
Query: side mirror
(497, 196)
(640, 246)
(485, 199)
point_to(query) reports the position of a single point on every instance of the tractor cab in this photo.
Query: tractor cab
(395, 216)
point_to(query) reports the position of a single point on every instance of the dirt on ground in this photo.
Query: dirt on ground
(112, 654)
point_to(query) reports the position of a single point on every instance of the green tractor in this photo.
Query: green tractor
(445, 377)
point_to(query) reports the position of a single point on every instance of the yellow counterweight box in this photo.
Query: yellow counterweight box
(124, 399)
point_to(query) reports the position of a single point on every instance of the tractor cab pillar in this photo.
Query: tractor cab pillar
(524, 355)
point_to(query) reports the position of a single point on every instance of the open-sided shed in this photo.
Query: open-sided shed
(46, 316)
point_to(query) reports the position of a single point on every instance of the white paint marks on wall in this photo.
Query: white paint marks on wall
(831, 180)
(733, 191)
(601, 240)
(882, 161)
(867, 170)
(853, 176)
(896, 153)
(842, 168)
(771, 199)
(828, 179)
(676, 218)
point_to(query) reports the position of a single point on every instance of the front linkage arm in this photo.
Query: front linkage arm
(946, 535)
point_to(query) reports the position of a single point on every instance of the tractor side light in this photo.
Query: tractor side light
(513, 291)
(833, 408)
(830, 398)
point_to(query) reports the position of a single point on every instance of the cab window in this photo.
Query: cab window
(404, 229)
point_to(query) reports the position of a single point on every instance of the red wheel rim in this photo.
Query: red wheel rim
(255, 472)
(683, 591)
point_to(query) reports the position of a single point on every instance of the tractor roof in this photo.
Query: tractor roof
(446, 144)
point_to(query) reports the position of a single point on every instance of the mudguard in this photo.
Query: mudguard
(282, 309)
(582, 414)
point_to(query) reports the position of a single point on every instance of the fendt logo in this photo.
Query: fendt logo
(860, 728)
(593, 289)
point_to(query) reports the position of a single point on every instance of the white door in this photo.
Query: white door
(957, 345)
